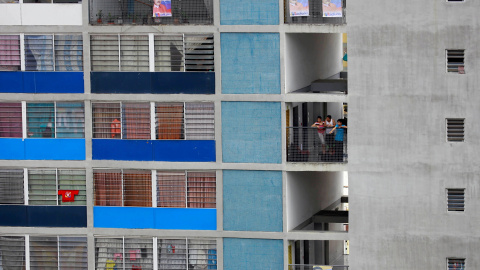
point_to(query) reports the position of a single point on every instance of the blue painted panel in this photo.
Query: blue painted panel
(55, 149)
(184, 150)
(241, 254)
(11, 82)
(12, 148)
(57, 216)
(13, 215)
(251, 132)
(252, 201)
(250, 62)
(153, 82)
(234, 12)
(58, 82)
(183, 83)
(155, 218)
(121, 82)
(111, 149)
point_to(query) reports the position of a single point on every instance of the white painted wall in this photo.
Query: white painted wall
(310, 57)
(41, 14)
(310, 192)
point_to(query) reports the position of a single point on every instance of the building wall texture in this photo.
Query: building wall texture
(249, 12)
(240, 254)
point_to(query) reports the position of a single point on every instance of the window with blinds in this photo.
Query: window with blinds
(455, 129)
(169, 121)
(11, 120)
(39, 53)
(56, 120)
(169, 53)
(123, 188)
(136, 121)
(104, 50)
(202, 254)
(199, 52)
(52, 252)
(68, 52)
(201, 190)
(41, 120)
(172, 253)
(119, 52)
(456, 199)
(134, 53)
(12, 252)
(455, 264)
(200, 121)
(123, 253)
(10, 55)
(11, 186)
(107, 120)
(171, 189)
(73, 180)
(456, 61)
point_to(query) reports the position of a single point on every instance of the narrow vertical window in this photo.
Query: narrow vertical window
(455, 129)
(456, 199)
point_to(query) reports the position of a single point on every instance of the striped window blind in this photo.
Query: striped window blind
(12, 252)
(201, 190)
(11, 186)
(200, 121)
(456, 199)
(171, 189)
(169, 53)
(68, 53)
(42, 187)
(11, 120)
(134, 53)
(104, 51)
(39, 53)
(202, 254)
(455, 264)
(172, 253)
(10, 53)
(73, 180)
(41, 120)
(169, 121)
(52, 252)
(70, 120)
(456, 61)
(455, 129)
(107, 120)
(136, 120)
(199, 52)
(124, 253)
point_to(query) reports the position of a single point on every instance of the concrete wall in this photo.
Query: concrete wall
(241, 254)
(40, 14)
(398, 173)
(310, 192)
(252, 201)
(234, 12)
(310, 57)
(250, 63)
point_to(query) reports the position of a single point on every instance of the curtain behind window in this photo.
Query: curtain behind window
(11, 120)
(171, 189)
(137, 188)
(136, 121)
(70, 120)
(40, 120)
(39, 53)
(68, 53)
(108, 187)
(169, 117)
(201, 189)
(10, 53)
(11, 186)
(104, 115)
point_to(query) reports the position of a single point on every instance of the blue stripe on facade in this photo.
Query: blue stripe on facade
(12, 148)
(155, 218)
(43, 216)
(42, 149)
(41, 82)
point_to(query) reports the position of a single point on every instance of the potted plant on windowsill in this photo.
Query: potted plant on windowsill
(110, 19)
(99, 17)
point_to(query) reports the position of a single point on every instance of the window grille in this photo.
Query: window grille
(12, 252)
(137, 188)
(11, 120)
(455, 264)
(134, 53)
(172, 253)
(73, 253)
(106, 120)
(43, 252)
(40, 120)
(169, 53)
(104, 52)
(53, 252)
(42, 187)
(456, 199)
(73, 180)
(131, 253)
(171, 191)
(68, 52)
(456, 61)
(10, 53)
(11, 186)
(200, 121)
(202, 254)
(136, 120)
(169, 121)
(39, 53)
(70, 120)
(199, 52)
(201, 189)
(455, 130)
(108, 187)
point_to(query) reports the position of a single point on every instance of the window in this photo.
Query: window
(58, 252)
(56, 120)
(455, 0)
(11, 186)
(11, 120)
(456, 61)
(176, 253)
(10, 53)
(123, 253)
(186, 189)
(455, 129)
(123, 188)
(456, 199)
(12, 252)
(455, 264)
(180, 52)
(173, 121)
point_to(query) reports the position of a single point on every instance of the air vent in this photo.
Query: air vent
(456, 199)
(455, 130)
(456, 61)
(455, 263)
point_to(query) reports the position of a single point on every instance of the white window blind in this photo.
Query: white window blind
(104, 50)
(68, 52)
(199, 52)
(172, 253)
(456, 61)
(455, 129)
(11, 186)
(42, 187)
(171, 189)
(136, 120)
(11, 120)
(134, 53)
(39, 53)
(456, 199)
(200, 121)
(12, 252)
(169, 53)
(455, 264)
(52, 252)
(107, 120)
(73, 180)
(123, 253)
(10, 54)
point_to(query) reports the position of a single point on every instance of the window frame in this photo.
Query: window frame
(451, 133)
(449, 201)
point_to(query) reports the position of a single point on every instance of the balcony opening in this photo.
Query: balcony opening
(316, 132)
(317, 201)
(142, 12)
(318, 254)
(316, 63)
(315, 12)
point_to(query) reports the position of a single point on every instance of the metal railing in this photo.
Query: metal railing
(315, 14)
(316, 267)
(307, 144)
(140, 12)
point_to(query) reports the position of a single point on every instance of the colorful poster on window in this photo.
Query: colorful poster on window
(299, 8)
(332, 8)
(162, 8)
